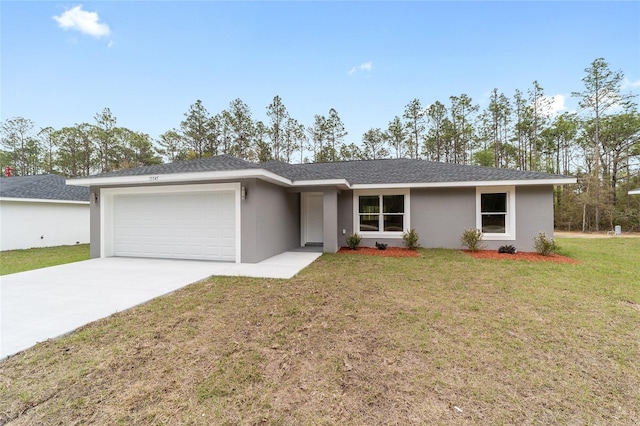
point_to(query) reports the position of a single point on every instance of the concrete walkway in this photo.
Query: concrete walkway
(50, 302)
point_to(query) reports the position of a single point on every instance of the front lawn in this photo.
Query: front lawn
(13, 261)
(439, 339)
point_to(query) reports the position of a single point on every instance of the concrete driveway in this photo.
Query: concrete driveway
(50, 302)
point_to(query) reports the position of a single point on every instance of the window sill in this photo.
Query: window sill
(498, 237)
(374, 234)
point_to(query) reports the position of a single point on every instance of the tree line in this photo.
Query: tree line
(599, 143)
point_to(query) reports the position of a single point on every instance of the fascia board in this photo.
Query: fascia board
(182, 177)
(323, 182)
(41, 200)
(524, 182)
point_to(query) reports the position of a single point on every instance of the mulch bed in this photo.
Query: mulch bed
(480, 254)
(530, 257)
(389, 252)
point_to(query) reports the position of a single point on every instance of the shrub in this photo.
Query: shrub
(544, 245)
(410, 239)
(353, 241)
(472, 239)
(507, 249)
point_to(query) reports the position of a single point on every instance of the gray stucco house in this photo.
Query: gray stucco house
(226, 209)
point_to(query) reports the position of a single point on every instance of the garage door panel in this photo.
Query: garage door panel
(200, 225)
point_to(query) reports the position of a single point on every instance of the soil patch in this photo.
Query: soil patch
(389, 252)
(527, 256)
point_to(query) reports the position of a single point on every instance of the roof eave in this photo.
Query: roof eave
(467, 184)
(42, 200)
(340, 183)
(154, 179)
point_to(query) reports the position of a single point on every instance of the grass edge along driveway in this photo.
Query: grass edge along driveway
(440, 339)
(12, 261)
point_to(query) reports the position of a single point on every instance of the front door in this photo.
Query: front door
(312, 220)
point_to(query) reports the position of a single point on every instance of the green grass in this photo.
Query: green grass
(358, 340)
(13, 261)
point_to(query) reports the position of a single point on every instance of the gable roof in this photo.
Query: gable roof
(347, 174)
(41, 187)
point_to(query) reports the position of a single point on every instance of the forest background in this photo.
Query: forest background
(599, 143)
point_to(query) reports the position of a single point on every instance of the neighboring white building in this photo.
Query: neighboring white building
(42, 211)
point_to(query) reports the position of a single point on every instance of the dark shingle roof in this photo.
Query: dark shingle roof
(207, 164)
(365, 172)
(404, 170)
(44, 187)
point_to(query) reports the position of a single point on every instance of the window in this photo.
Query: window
(496, 216)
(381, 212)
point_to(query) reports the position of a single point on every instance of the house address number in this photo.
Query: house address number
(154, 178)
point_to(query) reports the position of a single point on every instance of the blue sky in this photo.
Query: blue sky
(63, 62)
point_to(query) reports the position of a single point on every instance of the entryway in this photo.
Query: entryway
(312, 219)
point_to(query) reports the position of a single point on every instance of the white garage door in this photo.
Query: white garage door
(196, 225)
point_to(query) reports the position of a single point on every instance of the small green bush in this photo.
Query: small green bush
(410, 239)
(472, 239)
(544, 245)
(353, 241)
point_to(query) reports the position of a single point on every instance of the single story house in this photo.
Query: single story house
(42, 211)
(226, 209)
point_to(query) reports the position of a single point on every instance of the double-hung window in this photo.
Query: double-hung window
(381, 212)
(495, 209)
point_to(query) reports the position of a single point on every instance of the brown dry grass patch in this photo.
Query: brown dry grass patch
(357, 340)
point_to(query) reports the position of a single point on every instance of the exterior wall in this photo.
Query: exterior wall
(330, 220)
(345, 217)
(94, 219)
(42, 224)
(534, 214)
(270, 220)
(440, 215)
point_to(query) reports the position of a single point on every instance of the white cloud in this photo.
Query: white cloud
(366, 67)
(556, 104)
(628, 84)
(83, 21)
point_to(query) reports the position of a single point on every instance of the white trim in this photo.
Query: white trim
(634, 192)
(303, 215)
(106, 208)
(510, 220)
(482, 183)
(153, 179)
(381, 234)
(41, 200)
(321, 182)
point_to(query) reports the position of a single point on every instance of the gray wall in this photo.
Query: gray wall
(94, 224)
(345, 216)
(534, 214)
(330, 220)
(270, 221)
(440, 215)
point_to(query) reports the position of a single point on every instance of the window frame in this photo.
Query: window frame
(510, 215)
(380, 193)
